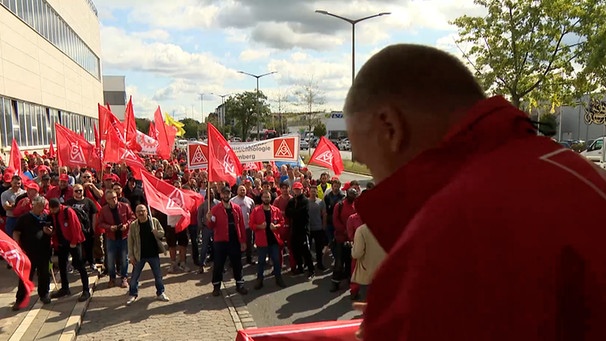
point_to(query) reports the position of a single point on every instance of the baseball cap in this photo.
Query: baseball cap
(346, 186)
(297, 185)
(46, 177)
(42, 167)
(225, 189)
(7, 177)
(270, 179)
(32, 185)
(63, 177)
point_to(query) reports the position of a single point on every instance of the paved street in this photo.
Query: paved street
(345, 154)
(192, 314)
(302, 301)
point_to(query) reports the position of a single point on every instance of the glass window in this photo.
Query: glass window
(20, 9)
(3, 124)
(12, 5)
(35, 15)
(24, 121)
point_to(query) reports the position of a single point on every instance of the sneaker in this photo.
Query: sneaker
(85, 296)
(280, 282)
(131, 299)
(217, 292)
(201, 270)
(162, 297)
(124, 283)
(258, 284)
(60, 293)
(310, 274)
(334, 287)
(111, 283)
(45, 300)
(16, 306)
(242, 290)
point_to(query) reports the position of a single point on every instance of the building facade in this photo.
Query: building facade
(334, 122)
(50, 70)
(114, 94)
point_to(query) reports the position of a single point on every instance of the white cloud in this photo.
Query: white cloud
(152, 35)
(254, 54)
(128, 52)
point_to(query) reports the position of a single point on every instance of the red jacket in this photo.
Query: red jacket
(55, 192)
(353, 222)
(493, 235)
(257, 217)
(340, 215)
(106, 220)
(218, 223)
(70, 228)
(25, 206)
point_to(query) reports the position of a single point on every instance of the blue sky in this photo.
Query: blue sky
(171, 51)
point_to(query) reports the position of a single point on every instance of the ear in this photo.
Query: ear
(394, 127)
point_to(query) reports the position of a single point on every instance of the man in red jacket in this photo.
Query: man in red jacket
(63, 192)
(341, 213)
(266, 221)
(227, 222)
(67, 237)
(492, 232)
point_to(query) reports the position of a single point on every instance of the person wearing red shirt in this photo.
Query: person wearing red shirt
(227, 222)
(281, 202)
(63, 192)
(266, 220)
(492, 231)
(342, 211)
(67, 237)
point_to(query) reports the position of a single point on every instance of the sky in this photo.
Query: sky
(173, 51)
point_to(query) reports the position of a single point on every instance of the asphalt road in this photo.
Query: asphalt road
(345, 154)
(302, 301)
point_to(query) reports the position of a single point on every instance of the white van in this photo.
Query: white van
(595, 150)
(181, 144)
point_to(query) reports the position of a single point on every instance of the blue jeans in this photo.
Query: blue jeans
(11, 222)
(205, 243)
(154, 264)
(114, 248)
(274, 254)
(192, 230)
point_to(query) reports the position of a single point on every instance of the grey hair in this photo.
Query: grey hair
(39, 200)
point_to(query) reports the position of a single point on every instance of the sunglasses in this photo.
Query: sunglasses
(78, 191)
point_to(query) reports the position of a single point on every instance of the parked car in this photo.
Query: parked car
(344, 144)
(303, 145)
(314, 142)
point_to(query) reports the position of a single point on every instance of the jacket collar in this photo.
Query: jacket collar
(488, 125)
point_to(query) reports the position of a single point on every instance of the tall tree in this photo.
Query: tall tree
(521, 45)
(241, 111)
(310, 97)
(191, 127)
(142, 124)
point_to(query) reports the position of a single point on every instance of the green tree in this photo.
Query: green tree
(241, 111)
(191, 127)
(320, 130)
(310, 96)
(142, 124)
(521, 45)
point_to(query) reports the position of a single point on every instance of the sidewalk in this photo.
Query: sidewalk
(192, 313)
(56, 321)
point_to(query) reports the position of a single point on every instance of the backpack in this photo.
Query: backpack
(82, 217)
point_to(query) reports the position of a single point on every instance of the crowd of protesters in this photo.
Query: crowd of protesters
(98, 220)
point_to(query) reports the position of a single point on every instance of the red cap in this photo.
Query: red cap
(346, 186)
(63, 177)
(7, 176)
(42, 167)
(247, 181)
(32, 185)
(108, 165)
(108, 177)
(270, 179)
(297, 185)
(334, 178)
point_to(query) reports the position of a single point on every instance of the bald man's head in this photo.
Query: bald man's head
(403, 101)
(419, 78)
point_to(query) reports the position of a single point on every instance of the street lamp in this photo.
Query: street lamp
(257, 104)
(222, 117)
(353, 23)
(202, 106)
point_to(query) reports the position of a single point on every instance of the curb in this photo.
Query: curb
(237, 307)
(70, 332)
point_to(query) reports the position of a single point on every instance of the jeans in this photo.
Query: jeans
(115, 248)
(319, 238)
(10, 225)
(193, 236)
(249, 244)
(301, 251)
(223, 250)
(154, 264)
(205, 244)
(330, 236)
(342, 270)
(274, 254)
(64, 252)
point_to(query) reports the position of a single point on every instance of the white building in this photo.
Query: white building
(114, 94)
(334, 122)
(49, 70)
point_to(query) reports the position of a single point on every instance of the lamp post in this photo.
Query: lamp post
(257, 104)
(353, 23)
(202, 106)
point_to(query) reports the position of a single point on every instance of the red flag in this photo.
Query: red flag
(97, 139)
(327, 155)
(166, 198)
(152, 132)
(15, 161)
(223, 163)
(15, 257)
(130, 126)
(51, 150)
(164, 148)
(116, 151)
(75, 151)
(104, 114)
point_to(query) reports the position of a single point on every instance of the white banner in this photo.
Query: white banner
(285, 148)
(149, 145)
